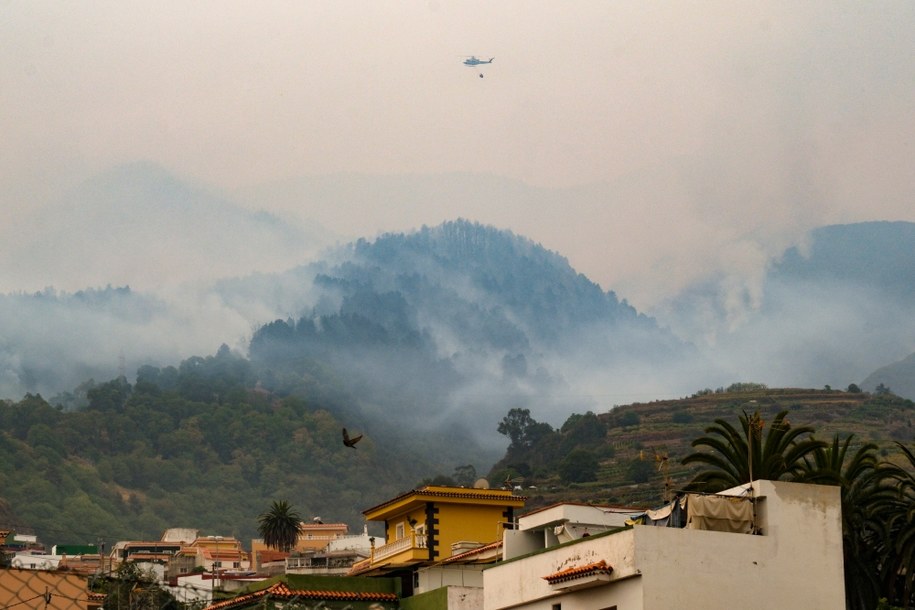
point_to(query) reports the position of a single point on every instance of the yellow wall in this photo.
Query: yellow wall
(456, 523)
(459, 523)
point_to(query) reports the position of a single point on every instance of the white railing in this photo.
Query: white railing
(415, 541)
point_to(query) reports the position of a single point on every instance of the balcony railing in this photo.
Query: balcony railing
(413, 541)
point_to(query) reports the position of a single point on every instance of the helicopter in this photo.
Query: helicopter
(473, 60)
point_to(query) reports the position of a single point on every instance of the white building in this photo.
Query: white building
(769, 545)
(35, 561)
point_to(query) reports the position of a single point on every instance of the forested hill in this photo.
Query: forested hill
(199, 445)
(448, 325)
(202, 445)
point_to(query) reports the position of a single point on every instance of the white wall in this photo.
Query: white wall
(465, 598)
(438, 576)
(521, 581)
(797, 563)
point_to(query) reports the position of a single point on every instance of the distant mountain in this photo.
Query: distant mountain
(458, 316)
(876, 257)
(53, 341)
(827, 313)
(140, 225)
(451, 324)
(899, 377)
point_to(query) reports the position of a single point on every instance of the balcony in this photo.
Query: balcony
(409, 549)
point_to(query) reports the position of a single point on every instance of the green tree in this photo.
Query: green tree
(737, 456)
(465, 475)
(585, 431)
(897, 512)
(579, 466)
(134, 589)
(279, 526)
(516, 426)
(639, 471)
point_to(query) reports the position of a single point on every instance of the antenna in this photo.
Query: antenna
(122, 365)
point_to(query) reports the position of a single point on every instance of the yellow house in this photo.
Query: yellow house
(431, 523)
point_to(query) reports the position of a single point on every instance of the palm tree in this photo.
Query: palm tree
(739, 456)
(898, 513)
(864, 490)
(279, 527)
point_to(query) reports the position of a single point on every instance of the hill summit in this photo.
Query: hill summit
(454, 322)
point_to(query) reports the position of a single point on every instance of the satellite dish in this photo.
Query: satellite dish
(481, 484)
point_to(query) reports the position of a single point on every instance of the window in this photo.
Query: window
(399, 531)
(557, 606)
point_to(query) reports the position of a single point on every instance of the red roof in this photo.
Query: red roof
(323, 526)
(599, 567)
(271, 555)
(472, 552)
(282, 591)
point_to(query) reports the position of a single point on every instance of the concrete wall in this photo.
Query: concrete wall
(434, 577)
(521, 581)
(465, 598)
(796, 563)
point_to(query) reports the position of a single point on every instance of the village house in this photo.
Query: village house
(337, 557)
(770, 544)
(320, 548)
(425, 526)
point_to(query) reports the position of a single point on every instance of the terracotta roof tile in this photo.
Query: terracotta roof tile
(477, 551)
(281, 590)
(452, 492)
(599, 567)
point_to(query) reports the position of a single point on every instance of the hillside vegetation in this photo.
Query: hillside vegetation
(634, 459)
(204, 445)
(200, 446)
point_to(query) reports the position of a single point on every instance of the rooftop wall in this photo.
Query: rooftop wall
(796, 563)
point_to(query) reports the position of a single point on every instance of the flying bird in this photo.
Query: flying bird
(350, 442)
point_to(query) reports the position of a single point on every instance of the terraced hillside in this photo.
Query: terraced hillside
(650, 439)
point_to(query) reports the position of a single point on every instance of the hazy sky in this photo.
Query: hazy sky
(715, 132)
